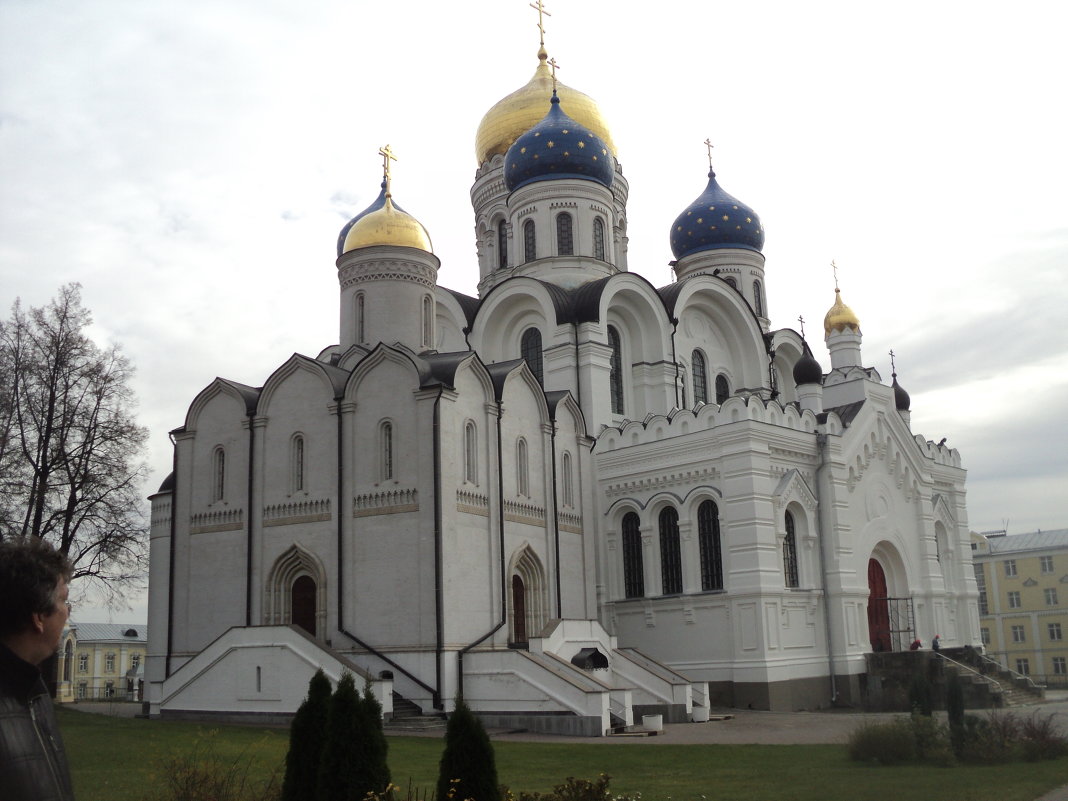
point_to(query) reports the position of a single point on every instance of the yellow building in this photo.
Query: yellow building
(102, 661)
(1023, 601)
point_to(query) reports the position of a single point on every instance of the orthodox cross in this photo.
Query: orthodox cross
(709, 145)
(554, 66)
(387, 156)
(540, 8)
(893, 367)
(835, 268)
(801, 320)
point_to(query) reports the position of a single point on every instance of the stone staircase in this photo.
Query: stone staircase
(1006, 688)
(407, 716)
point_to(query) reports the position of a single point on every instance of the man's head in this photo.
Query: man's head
(33, 597)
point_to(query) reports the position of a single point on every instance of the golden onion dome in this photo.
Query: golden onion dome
(514, 115)
(839, 316)
(387, 225)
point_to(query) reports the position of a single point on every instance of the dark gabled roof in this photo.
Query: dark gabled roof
(250, 395)
(440, 368)
(845, 413)
(586, 301)
(168, 483)
(554, 398)
(468, 304)
(338, 377)
(499, 372)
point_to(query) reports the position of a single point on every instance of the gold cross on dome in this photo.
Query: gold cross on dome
(709, 145)
(540, 8)
(801, 319)
(387, 156)
(555, 67)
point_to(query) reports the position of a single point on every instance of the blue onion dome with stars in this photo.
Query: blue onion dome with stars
(716, 220)
(557, 147)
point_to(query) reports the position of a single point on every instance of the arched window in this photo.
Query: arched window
(700, 380)
(470, 453)
(598, 239)
(633, 568)
(296, 461)
(723, 388)
(732, 282)
(428, 322)
(522, 468)
(218, 475)
(530, 350)
(386, 449)
(758, 300)
(530, 250)
(359, 319)
(567, 479)
(711, 554)
(565, 240)
(670, 552)
(502, 245)
(615, 376)
(789, 553)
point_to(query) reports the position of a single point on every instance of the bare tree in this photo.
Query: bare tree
(71, 452)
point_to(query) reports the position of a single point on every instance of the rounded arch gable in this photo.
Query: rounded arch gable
(508, 310)
(296, 585)
(633, 306)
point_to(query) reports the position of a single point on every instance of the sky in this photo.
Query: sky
(192, 163)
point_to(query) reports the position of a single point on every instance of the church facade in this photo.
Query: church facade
(574, 498)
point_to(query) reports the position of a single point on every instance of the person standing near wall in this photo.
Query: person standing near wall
(33, 611)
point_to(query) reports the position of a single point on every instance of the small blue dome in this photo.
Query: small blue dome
(716, 220)
(380, 201)
(557, 147)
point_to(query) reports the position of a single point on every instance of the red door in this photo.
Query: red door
(519, 610)
(878, 608)
(303, 599)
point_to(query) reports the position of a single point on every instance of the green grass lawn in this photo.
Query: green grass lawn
(116, 759)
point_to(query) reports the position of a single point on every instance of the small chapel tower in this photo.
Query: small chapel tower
(388, 275)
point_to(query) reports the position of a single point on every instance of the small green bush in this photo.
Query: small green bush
(885, 743)
(574, 789)
(468, 768)
(202, 775)
(1041, 740)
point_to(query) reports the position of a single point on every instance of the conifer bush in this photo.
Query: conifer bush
(468, 769)
(307, 735)
(339, 766)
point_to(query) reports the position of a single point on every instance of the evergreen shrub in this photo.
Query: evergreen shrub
(468, 768)
(307, 734)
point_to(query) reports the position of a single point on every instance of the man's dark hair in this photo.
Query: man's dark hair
(30, 571)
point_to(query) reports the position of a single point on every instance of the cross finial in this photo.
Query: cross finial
(554, 66)
(893, 367)
(709, 145)
(801, 320)
(386, 153)
(540, 8)
(835, 268)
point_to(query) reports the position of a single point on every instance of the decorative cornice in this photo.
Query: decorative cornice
(209, 522)
(387, 502)
(472, 503)
(387, 270)
(287, 514)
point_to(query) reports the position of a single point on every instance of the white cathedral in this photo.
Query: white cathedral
(575, 498)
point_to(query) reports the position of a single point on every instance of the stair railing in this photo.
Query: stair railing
(971, 670)
(1016, 676)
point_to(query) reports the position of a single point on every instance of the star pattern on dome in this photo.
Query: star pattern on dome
(702, 232)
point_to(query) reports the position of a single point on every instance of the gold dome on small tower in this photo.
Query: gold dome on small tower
(840, 317)
(514, 115)
(383, 223)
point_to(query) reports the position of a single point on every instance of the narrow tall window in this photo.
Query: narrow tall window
(218, 473)
(428, 322)
(297, 462)
(789, 553)
(522, 470)
(359, 319)
(530, 350)
(700, 380)
(670, 553)
(711, 553)
(68, 660)
(723, 389)
(615, 376)
(387, 451)
(502, 245)
(470, 453)
(567, 479)
(565, 241)
(758, 299)
(530, 250)
(633, 566)
(598, 239)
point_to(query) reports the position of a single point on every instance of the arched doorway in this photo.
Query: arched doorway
(878, 608)
(519, 611)
(303, 603)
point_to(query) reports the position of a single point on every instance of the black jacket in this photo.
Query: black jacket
(33, 764)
